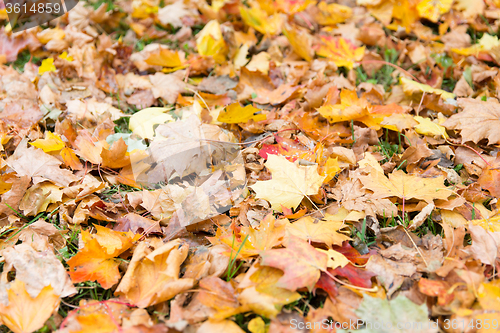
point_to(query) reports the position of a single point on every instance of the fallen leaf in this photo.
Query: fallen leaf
(428, 127)
(37, 270)
(219, 326)
(433, 10)
(152, 276)
(398, 310)
(402, 185)
(52, 142)
(32, 162)
(323, 231)
(341, 51)
(24, 313)
(490, 178)
(96, 261)
(47, 66)
(258, 19)
(235, 113)
(221, 296)
(411, 87)
(300, 262)
(290, 183)
(478, 120)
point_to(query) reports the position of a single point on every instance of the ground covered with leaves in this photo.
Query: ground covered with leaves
(252, 166)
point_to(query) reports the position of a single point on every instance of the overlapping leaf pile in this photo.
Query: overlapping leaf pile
(368, 187)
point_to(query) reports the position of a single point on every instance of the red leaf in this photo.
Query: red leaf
(357, 276)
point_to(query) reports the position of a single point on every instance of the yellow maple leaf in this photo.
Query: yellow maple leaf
(485, 44)
(331, 14)
(323, 231)
(428, 127)
(433, 9)
(330, 169)
(142, 10)
(341, 51)
(300, 41)
(65, 56)
(350, 108)
(24, 313)
(411, 87)
(235, 113)
(291, 182)
(293, 6)
(335, 259)
(52, 142)
(164, 57)
(258, 19)
(210, 42)
(402, 185)
(47, 66)
(263, 296)
(406, 13)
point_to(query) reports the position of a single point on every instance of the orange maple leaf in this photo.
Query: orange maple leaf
(24, 313)
(341, 51)
(96, 261)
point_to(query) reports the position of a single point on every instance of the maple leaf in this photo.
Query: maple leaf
(37, 270)
(32, 162)
(166, 58)
(96, 261)
(478, 120)
(402, 185)
(301, 263)
(24, 313)
(152, 277)
(226, 326)
(432, 9)
(261, 294)
(258, 19)
(291, 149)
(490, 178)
(341, 51)
(210, 42)
(220, 295)
(235, 113)
(47, 66)
(357, 276)
(290, 183)
(350, 108)
(269, 234)
(411, 87)
(428, 127)
(398, 310)
(52, 142)
(331, 14)
(323, 231)
(300, 41)
(97, 316)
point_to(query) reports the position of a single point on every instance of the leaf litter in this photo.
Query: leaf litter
(251, 166)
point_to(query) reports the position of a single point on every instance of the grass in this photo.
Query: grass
(382, 76)
(232, 269)
(22, 59)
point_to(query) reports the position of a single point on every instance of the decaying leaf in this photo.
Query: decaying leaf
(153, 275)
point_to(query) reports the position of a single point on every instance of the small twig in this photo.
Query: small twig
(464, 145)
